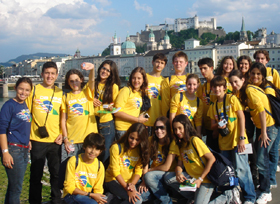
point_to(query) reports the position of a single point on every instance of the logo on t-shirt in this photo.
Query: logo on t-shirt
(153, 92)
(47, 106)
(83, 180)
(78, 109)
(159, 158)
(180, 87)
(186, 158)
(126, 163)
(24, 115)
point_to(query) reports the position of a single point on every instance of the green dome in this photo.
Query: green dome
(166, 37)
(151, 35)
(128, 45)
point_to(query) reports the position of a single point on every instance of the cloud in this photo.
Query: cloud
(143, 7)
(103, 2)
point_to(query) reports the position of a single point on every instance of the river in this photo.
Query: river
(12, 94)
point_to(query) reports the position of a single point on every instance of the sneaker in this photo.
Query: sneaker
(264, 198)
(236, 196)
(273, 186)
(278, 168)
(248, 202)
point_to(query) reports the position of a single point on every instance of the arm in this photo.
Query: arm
(171, 117)
(129, 118)
(7, 158)
(89, 66)
(64, 132)
(178, 171)
(167, 164)
(241, 119)
(142, 187)
(265, 139)
(165, 96)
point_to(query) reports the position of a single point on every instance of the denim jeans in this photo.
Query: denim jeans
(78, 199)
(170, 180)
(119, 134)
(155, 182)
(273, 158)
(16, 174)
(243, 172)
(263, 159)
(116, 189)
(39, 153)
(108, 131)
(78, 150)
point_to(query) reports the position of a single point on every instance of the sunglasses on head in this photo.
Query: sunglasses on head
(160, 127)
(107, 70)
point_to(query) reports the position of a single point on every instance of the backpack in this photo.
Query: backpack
(222, 173)
(62, 170)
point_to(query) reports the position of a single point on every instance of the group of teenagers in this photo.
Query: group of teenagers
(139, 155)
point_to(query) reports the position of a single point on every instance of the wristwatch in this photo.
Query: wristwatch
(88, 194)
(242, 138)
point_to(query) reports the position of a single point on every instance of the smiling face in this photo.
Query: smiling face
(75, 82)
(256, 76)
(228, 66)
(22, 91)
(137, 81)
(261, 58)
(236, 82)
(133, 140)
(179, 130)
(244, 66)
(158, 65)
(192, 85)
(219, 91)
(179, 64)
(49, 76)
(160, 130)
(91, 153)
(105, 72)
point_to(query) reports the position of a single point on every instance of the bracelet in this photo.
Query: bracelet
(5, 150)
(200, 179)
(88, 194)
(64, 138)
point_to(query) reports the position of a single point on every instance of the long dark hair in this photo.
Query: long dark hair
(143, 137)
(264, 83)
(220, 69)
(189, 130)
(242, 92)
(155, 140)
(144, 86)
(111, 80)
(69, 73)
(244, 57)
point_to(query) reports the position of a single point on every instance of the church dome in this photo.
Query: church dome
(128, 45)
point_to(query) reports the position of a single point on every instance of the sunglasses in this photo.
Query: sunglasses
(105, 69)
(160, 127)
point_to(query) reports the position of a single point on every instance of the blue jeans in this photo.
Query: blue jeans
(108, 131)
(263, 158)
(273, 159)
(16, 174)
(243, 172)
(155, 182)
(170, 180)
(78, 150)
(119, 134)
(78, 199)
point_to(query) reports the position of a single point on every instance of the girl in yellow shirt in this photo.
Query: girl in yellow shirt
(106, 89)
(127, 157)
(184, 131)
(188, 103)
(226, 66)
(130, 102)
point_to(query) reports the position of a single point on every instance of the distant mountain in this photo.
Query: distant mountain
(31, 56)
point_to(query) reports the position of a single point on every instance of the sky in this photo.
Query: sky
(63, 26)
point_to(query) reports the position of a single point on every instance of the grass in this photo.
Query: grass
(46, 189)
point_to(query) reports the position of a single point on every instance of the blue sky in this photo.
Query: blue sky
(62, 26)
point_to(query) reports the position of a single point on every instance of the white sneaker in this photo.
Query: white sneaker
(236, 196)
(264, 198)
(278, 168)
(273, 186)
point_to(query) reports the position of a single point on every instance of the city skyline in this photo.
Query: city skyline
(62, 26)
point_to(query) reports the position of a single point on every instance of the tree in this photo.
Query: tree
(141, 49)
(106, 51)
(2, 71)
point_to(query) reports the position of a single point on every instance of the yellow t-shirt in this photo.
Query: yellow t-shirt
(80, 114)
(169, 87)
(85, 176)
(191, 160)
(187, 107)
(208, 97)
(229, 87)
(273, 78)
(232, 105)
(154, 93)
(105, 117)
(258, 102)
(130, 103)
(160, 159)
(125, 164)
(174, 149)
(42, 103)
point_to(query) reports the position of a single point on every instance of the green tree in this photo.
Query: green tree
(141, 49)
(106, 51)
(2, 69)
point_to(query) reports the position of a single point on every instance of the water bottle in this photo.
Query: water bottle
(71, 146)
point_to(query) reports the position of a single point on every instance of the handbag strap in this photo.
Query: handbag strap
(197, 152)
(224, 106)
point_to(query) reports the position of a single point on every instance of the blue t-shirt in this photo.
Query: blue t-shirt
(15, 122)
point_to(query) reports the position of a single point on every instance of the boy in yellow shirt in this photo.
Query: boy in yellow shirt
(176, 83)
(227, 113)
(84, 177)
(154, 89)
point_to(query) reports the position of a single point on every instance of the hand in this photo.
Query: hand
(130, 187)
(142, 188)
(99, 198)
(30, 146)
(133, 196)
(180, 177)
(8, 160)
(58, 140)
(241, 146)
(265, 139)
(96, 102)
(215, 134)
(142, 119)
(197, 182)
(87, 66)
(66, 145)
